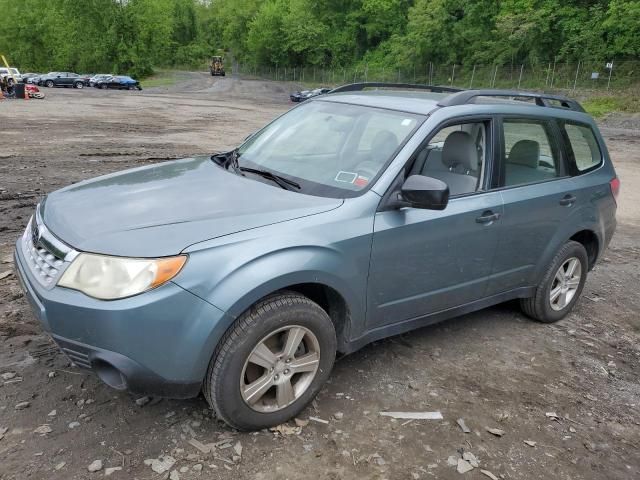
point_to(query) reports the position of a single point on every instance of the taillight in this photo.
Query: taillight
(614, 183)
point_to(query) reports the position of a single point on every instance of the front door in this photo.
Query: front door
(427, 261)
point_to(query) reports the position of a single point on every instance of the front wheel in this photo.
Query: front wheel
(271, 362)
(48, 83)
(561, 285)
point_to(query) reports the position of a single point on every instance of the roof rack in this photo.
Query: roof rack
(358, 87)
(464, 97)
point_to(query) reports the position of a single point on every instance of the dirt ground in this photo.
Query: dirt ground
(573, 388)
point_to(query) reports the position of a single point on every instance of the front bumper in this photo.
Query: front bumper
(156, 343)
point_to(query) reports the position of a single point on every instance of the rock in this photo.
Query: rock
(238, 449)
(301, 423)
(197, 467)
(142, 401)
(52, 413)
(162, 464)
(89, 401)
(8, 375)
(495, 431)
(464, 466)
(51, 374)
(452, 461)
(80, 402)
(95, 466)
(174, 475)
(111, 470)
(489, 474)
(338, 415)
(531, 443)
(22, 405)
(43, 429)
(463, 425)
(5, 274)
(60, 465)
(471, 458)
(572, 430)
(552, 415)
(73, 425)
(184, 469)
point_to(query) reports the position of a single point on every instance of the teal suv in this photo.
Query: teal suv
(360, 214)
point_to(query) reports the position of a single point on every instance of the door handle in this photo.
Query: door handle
(568, 200)
(488, 217)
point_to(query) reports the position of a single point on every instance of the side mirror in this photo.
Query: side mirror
(419, 191)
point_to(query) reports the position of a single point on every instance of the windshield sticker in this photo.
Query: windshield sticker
(361, 181)
(406, 122)
(346, 177)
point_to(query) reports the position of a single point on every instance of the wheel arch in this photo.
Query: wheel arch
(590, 241)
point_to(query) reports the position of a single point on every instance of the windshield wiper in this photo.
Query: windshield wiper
(281, 181)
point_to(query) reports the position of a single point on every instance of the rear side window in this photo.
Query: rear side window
(584, 146)
(529, 153)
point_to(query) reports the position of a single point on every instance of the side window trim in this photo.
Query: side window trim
(555, 140)
(488, 155)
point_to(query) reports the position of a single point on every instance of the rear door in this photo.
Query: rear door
(538, 194)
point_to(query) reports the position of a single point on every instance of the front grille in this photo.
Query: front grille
(45, 255)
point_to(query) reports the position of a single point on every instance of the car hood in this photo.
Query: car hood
(161, 209)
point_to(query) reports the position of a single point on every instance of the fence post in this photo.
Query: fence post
(495, 73)
(453, 74)
(575, 80)
(520, 79)
(553, 72)
(610, 73)
(473, 74)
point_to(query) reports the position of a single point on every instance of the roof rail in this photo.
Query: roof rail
(542, 99)
(358, 87)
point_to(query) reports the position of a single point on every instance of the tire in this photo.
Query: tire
(79, 85)
(540, 306)
(103, 86)
(48, 83)
(131, 87)
(274, 319)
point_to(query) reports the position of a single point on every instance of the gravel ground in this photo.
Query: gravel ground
(565, 396)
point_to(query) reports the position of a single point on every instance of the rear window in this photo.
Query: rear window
(584, 146)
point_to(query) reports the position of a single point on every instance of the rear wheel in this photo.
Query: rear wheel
(271, 362)
(78, 85)
(560, 286)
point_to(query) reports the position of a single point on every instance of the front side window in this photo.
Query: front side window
(529, 153)
(331, 149)
(455, 155)
(584, 146)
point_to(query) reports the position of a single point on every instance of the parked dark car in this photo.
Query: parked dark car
(307, 94)
(62, 79)
(29, 77)
(119, 82)
(98, 78)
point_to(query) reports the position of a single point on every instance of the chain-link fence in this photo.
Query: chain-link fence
(584, 75)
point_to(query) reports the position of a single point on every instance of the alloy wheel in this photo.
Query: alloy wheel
(280, 369)
(565, 283)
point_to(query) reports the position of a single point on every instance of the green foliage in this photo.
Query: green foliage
(134, 36)
(601, 106)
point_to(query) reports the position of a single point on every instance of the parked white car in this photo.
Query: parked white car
(6, 72)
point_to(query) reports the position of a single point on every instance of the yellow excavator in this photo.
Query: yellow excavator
(216, 67)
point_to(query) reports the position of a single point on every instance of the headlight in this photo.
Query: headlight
(108, 278)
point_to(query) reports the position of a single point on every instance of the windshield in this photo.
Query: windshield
(330, 149)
